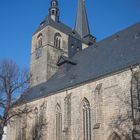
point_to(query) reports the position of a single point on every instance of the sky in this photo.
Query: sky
(20, 18)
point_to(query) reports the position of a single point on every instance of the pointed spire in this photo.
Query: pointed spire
(54, 10)
(82, 26)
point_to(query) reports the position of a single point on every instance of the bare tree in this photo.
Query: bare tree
(131, 118)
(12, 82)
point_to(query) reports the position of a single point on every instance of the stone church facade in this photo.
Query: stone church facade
(80, 89)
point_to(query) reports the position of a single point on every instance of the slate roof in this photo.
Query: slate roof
(115, 53)
(82, 26)
(58, 25)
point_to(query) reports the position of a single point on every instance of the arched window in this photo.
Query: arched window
(38, 51)
(114, 136)
(136, 82)
(86, 120)
(39, 41)
(135, 85)
(53, 12)
(58, 123)
(57, 40)
(53, 3)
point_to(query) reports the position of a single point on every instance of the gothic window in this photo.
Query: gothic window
(39, 41)
(53, 12)
(58, 123)
(86, 120)
(38, 50)
(58, 41)
(136, 96)
(53, 4)
(21, 127)
(136, 86)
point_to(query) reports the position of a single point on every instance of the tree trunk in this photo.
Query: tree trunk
(1, 132)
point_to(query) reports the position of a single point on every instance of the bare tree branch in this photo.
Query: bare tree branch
(131, 118)
(12, 81)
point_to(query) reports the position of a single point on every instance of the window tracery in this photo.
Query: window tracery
(136, 96)
(58, 41)
(38, 50)
(39, 41)
(86, 120)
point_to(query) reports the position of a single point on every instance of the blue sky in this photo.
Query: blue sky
(20, 18)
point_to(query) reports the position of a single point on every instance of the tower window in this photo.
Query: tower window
(53, 4)
(58, 41)
(53, 12)
(39, 41)
(38, 50)
(86, 120)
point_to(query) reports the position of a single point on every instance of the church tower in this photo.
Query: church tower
(53, 40)
(50, 41)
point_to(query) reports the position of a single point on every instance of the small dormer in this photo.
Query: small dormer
(65, 60)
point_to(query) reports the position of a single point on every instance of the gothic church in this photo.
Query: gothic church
(80, 89)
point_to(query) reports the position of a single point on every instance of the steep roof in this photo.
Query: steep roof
(110, 55)
(82, 26)
(58, 25)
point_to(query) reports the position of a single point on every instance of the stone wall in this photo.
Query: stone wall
(109, 100)
(44, 67)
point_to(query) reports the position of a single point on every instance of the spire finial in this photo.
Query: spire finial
(82, 26)
(54, 10)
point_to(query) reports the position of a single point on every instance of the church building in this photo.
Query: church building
(80, 89)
